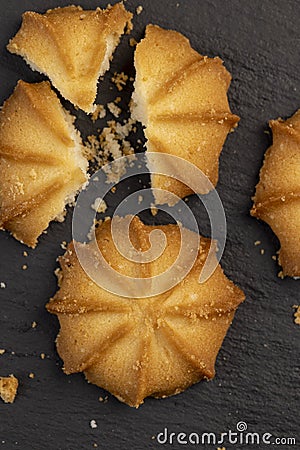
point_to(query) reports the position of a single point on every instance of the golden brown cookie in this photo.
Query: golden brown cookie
(181, 98)
(140, 347)
(277, 197)
(41, 161)
(72, 47)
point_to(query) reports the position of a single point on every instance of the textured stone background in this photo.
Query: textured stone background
(258, 367)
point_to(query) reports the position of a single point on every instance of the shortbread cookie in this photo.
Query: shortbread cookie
(72, 47)
(42, 166)
(181, 98)
(140, 347)
(277, 197)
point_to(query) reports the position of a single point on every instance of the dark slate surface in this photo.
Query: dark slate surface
(258, 367)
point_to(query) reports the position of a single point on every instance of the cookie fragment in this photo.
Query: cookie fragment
(181, 99)
(8, 388)
(42, 166)
(277, 196)
(72, 46)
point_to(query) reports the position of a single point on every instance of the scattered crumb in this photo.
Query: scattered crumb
(219, 448)
(2, 285)
(93, 424)
(139, 9)
(280, 275)
(113, 189)
(132, 42)
(140, 199)
(63, 245)
(274, 257)
(120, 80)
(2, 351)
(103, 399)
(31, 375)
(34, 324)
(262, 251)
(154, 210)
(297, 314)
(25, 254)
(177, 5)
(129, 27)
(114, 109)
(256, 243)
(99, 205)
(153, 437)
(42, 356)
(110, 145)
(24, 267)
(8, 388)
(99, 113)
(95, 445)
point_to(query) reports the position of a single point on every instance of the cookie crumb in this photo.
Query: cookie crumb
(24, 267)
(297, 314)
(2, 351)
(8, 388)
(25, 254)
(154, 210)
(42, 356)
(280, 275)
(2, 285)
(93, 424)
(31, 375)
(99, 205)
(63, 245)
(132, 42)
(262, 251)
(274, 257)
(114, 109)
(34, 324)
(99, 113)
(110, 145)
(256, 243)
(120, 80)
(139, 10)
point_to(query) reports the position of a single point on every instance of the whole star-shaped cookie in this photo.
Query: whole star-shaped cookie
(140, 347)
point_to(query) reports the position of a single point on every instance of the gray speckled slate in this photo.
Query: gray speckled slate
(257, 377)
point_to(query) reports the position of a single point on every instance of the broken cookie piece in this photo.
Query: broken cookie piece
(42, 166)
(181, 99)
(72, 47)
(277, 197)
